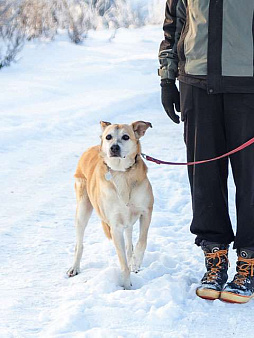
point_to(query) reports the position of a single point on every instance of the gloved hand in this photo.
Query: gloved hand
(170, 99)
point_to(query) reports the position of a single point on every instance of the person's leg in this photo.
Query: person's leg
(239, 121)
(205, 138)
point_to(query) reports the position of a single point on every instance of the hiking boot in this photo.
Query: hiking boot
(216, 261)
(241, 289)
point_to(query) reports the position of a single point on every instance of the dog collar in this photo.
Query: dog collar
(108, 174)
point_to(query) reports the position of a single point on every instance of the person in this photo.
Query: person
(208, 47)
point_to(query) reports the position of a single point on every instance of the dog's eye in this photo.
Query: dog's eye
(125, 137)
(109, 137)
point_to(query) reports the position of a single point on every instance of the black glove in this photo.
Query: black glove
(169, 97)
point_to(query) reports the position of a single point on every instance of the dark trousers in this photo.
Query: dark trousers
(214, 125)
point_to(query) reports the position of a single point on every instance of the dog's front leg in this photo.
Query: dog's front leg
(137, 258)
(118, 239)
(129, 246)
(83, 213)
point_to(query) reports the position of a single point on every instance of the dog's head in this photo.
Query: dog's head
(120, 143)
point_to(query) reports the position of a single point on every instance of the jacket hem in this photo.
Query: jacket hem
(229, 84)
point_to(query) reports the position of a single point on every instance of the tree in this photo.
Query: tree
(11, 38)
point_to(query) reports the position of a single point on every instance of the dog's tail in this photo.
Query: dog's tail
(106, 229)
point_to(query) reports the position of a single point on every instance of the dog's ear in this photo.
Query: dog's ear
(140, 127)
(104, 125)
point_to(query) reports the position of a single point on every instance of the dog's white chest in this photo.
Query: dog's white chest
(123, 206)
(122, 188)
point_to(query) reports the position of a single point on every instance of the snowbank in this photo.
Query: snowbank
(51, 105)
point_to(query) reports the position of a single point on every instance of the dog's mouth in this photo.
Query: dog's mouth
(115, 155)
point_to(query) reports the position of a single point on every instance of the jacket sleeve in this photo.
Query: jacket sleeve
(175, 17)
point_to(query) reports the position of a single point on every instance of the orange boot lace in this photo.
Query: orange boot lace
(244, 270)
(211, 275)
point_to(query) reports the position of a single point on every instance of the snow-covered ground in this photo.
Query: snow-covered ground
(51, 103)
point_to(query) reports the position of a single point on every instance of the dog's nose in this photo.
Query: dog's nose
(115, 149)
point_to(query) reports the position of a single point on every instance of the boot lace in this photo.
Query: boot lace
(245, 269)
(215, 268)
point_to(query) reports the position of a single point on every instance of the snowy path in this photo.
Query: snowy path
(51, 105)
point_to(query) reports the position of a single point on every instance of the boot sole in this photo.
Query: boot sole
(231, 297)
(208, 294)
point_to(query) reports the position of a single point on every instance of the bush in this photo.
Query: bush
(42, 18)
(29, 19)
(11, 38)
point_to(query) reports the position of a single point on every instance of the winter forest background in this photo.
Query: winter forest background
(74, 63)
(23, 20)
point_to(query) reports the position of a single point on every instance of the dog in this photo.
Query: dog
(112, 179)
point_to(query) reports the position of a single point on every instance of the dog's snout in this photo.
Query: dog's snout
(115, 149)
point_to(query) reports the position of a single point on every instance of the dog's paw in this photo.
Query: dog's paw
(125, 280)
(73, 272)
(127, 286)
(134, 266)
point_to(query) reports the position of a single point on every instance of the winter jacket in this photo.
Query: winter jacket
(211, 42)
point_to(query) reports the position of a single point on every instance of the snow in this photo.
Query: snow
(51, 103)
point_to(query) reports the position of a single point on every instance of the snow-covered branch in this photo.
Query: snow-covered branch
(11, 37)
(28, 19)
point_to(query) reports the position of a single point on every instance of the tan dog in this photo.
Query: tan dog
(111, 178)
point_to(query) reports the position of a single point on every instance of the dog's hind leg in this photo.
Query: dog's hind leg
(83, 213)
(118, 239)
(137, 258)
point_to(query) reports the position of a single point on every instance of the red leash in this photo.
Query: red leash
(243, 146)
